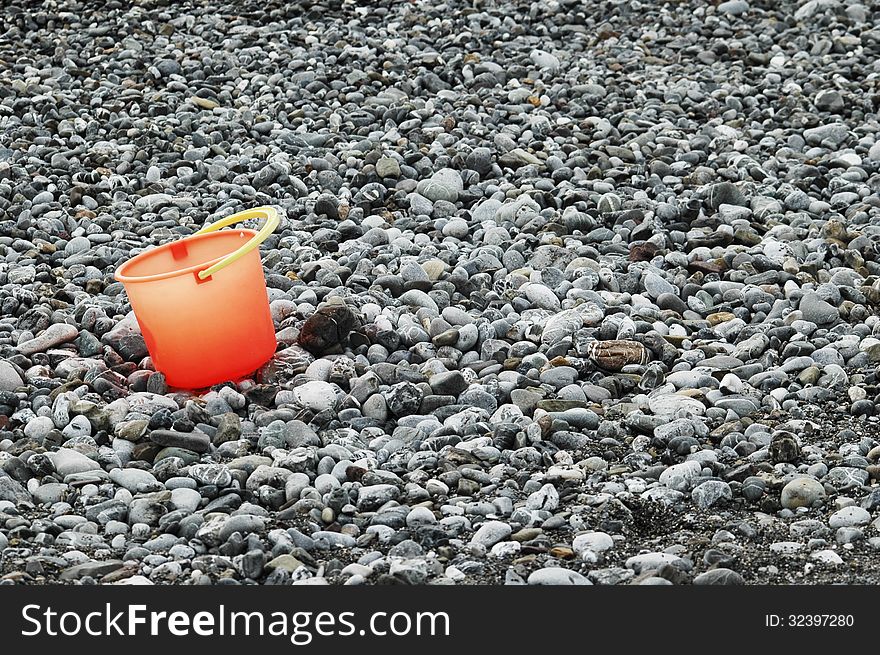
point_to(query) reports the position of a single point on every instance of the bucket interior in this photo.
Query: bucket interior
(185, 254)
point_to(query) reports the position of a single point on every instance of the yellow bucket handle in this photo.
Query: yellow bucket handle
(272, 221)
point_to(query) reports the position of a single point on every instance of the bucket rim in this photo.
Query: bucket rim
(120, 275)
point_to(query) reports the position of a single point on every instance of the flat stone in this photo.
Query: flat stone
(597, 542)
(719, 576)
(197, 442)
(69, 462)
(490, 533)
(817, 311)
(285, 562)
(849, 517)
(557, 576)
(131, 479)
(92, 569)
(10, 380)
(733, 7)
(53, 335)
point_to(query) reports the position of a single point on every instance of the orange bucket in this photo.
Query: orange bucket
(201, 302)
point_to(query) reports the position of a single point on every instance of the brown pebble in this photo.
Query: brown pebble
(526, 534)
(562, 552)
(614, 355)
(719, 317)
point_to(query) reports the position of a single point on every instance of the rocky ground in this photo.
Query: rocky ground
(565, 292)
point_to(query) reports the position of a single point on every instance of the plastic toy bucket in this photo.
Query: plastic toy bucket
(201, 302)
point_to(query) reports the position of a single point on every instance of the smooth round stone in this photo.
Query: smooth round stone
(656, 286)
(242, 523)
(816, 310)
(185, 499)
(79, 426)
(753, 488)
(802, 492)
(670, 404)
(445, 184)
(50, 493)
(559, 376)
(849, 517)
(540, 296)
(325, 483)
(71, 462)
(733, 7)
(827, 557)
(490, 533)
(77, 245)
(179, 482)
(844, 478)
(557, 576)
(597, 542)
(10, 380)
(545, 60)
(316, 395)
(419, 299)
(420, 516)
(37, 428)
(457, 228)
(43, 198)
(672, 302)
(719, 576)
(131, 479)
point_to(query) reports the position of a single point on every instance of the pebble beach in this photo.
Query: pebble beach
(564, 292)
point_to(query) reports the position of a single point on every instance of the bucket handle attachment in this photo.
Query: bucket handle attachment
(270, 214)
